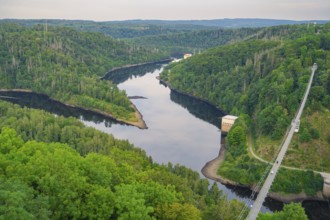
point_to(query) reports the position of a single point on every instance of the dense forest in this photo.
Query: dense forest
(53, 167)
(197, 41)
(179, 37)
(262, 80)
(67, 65)
(141, 28)
(115, 29)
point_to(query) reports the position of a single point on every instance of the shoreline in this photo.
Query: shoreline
(189, 95)
(210, 171)
(135, 65)
(140, 123)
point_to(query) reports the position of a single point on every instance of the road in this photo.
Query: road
(271, 176)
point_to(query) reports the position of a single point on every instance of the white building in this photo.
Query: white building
(187, 55)
(227, 122)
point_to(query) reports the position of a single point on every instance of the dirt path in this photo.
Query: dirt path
(323, 174)
(210, 171)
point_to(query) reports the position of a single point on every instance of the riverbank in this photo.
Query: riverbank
(136, 65)
(140, 123)
(210, 171)
(163, 82)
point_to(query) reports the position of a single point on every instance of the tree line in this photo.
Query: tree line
(67, 65)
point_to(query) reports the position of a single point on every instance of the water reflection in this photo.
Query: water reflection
(121, 75)
(38, 101)
(198, 108)
(174, 135)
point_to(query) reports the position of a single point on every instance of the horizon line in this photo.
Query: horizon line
(156, 19)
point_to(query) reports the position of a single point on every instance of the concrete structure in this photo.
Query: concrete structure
(187, 55)
(227, 122)
(326, 184)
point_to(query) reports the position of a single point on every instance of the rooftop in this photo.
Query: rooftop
(232, 117)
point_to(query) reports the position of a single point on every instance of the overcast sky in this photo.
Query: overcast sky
(106, 10)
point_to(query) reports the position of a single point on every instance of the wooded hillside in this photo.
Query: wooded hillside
(56, 168)
(263, 80)
(67, 65)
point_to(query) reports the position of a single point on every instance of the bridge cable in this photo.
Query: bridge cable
(263, 177)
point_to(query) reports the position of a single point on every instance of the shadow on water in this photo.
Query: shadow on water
(198, 108)
(317, 210)
(38, 101)
(121, 75)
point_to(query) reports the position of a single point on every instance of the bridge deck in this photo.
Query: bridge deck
(271, 176)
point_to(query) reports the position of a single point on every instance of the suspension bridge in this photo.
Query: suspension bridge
(272, 168)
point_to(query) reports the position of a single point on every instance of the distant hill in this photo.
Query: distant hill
(224, 23)
(194, 41)
(125, 29)
(197, 41)
(141, 28)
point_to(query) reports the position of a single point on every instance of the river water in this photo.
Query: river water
(180, 129)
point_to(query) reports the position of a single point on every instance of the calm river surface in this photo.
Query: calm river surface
(180, 129)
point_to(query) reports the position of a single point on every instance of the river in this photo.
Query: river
(180, 130)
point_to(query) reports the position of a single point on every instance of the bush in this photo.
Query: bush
(293, 181)
(315, 134)
(305, 136)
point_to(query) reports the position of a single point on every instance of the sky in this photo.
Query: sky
(109, 10)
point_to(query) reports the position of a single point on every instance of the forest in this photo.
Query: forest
(194, 41)
(197, 41)
(54, 167)
(116, 29)
(262, 80)
(67, 65)
(142, 28)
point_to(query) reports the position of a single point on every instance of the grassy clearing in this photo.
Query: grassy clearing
(312, 152)
(310, 147)
(243, 169)
(266, 148)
